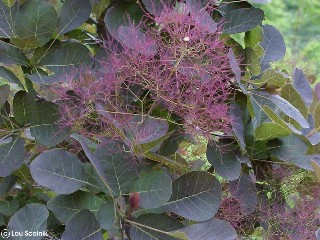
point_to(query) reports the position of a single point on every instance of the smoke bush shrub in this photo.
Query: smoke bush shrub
(148, 120)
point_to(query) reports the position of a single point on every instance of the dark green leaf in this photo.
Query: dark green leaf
(62, 58)
(81, 226)
(195, 195)
(155, 189)
(23, 107)
(31, 218)
(106, 214)
(7, 183)
(12, 156)
(10, 77)
(64, 207)
(273, 44)
(122, 14)
(225, 161)
(4, 94)
(8, 208)
(72, 14)
(213, 229)
(113, 165)
(44, 124)
(6, 21)
(160, 222)
(11, 55)
(30, 29)
(58, 170)
(242, 20)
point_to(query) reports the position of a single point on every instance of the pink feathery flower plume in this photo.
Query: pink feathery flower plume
(177, 61)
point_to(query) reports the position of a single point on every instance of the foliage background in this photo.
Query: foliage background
(298, 22)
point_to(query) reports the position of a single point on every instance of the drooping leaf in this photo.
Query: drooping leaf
(302, 85)
(122, 14)
(44, 124)
(30, 30)
(245, 192)
(155, 189)
(64, 207)
(273, 44)
(23, 107)
(11, 55)
(195, 195)
(311, 133)
(242, 20)
(12, 156)
(72, 14)
(113, 166)
(10, 77)
(30, 218)
(225, 161)
(236, 70)
(58, 170)
(285, 106)
(83, 225)
(106, 214)
(213, 229)
(160, 222)
(237, 124)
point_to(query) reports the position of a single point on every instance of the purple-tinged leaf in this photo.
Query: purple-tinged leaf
(83, 225)
(155, 189)
(302, 85)
(242, 20)
(31, 218)
(245, 192)
(12, 156)
(237, 124)
(291, 149)
(310, 133)
(213, 229)
(58, 170)
(273, 44)
(224, 161)
(137, 41)
(157, 6)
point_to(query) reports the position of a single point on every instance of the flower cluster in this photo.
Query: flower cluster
(176, 62)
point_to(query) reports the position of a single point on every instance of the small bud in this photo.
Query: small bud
(186, 39)
(134, 201)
